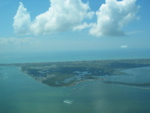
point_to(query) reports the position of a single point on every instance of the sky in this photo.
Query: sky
(58, 25)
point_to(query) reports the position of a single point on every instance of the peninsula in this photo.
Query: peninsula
(58, 74)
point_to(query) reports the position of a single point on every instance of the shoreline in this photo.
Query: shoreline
(60, 74)
(45, 62)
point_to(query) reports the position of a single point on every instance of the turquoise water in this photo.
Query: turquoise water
(20, 93)
(73, 55)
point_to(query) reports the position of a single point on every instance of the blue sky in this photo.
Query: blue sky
(51, 25)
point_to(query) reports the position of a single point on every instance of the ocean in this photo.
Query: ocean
(21, 93)
(25, 57)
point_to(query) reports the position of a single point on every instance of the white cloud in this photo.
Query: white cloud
(113, 16)
(82, 26)
(124, 46)
(23, 44)
(18, 42)
(62, 15)
(22, 20)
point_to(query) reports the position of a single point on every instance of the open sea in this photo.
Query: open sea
(20, 93)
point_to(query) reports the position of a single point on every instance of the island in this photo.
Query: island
(60, 74)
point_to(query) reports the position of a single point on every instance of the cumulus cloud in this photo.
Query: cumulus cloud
(61, 16)
(113, 16)
(82, 26)
(22, 20)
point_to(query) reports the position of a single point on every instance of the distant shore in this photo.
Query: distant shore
(58, 74)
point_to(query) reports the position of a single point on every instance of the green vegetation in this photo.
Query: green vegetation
(69, 73)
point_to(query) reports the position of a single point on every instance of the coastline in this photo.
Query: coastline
(66, 74)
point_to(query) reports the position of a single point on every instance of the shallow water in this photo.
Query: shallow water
(135, 75)
(20, 93)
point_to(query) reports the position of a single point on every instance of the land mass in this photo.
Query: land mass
(60, 74)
